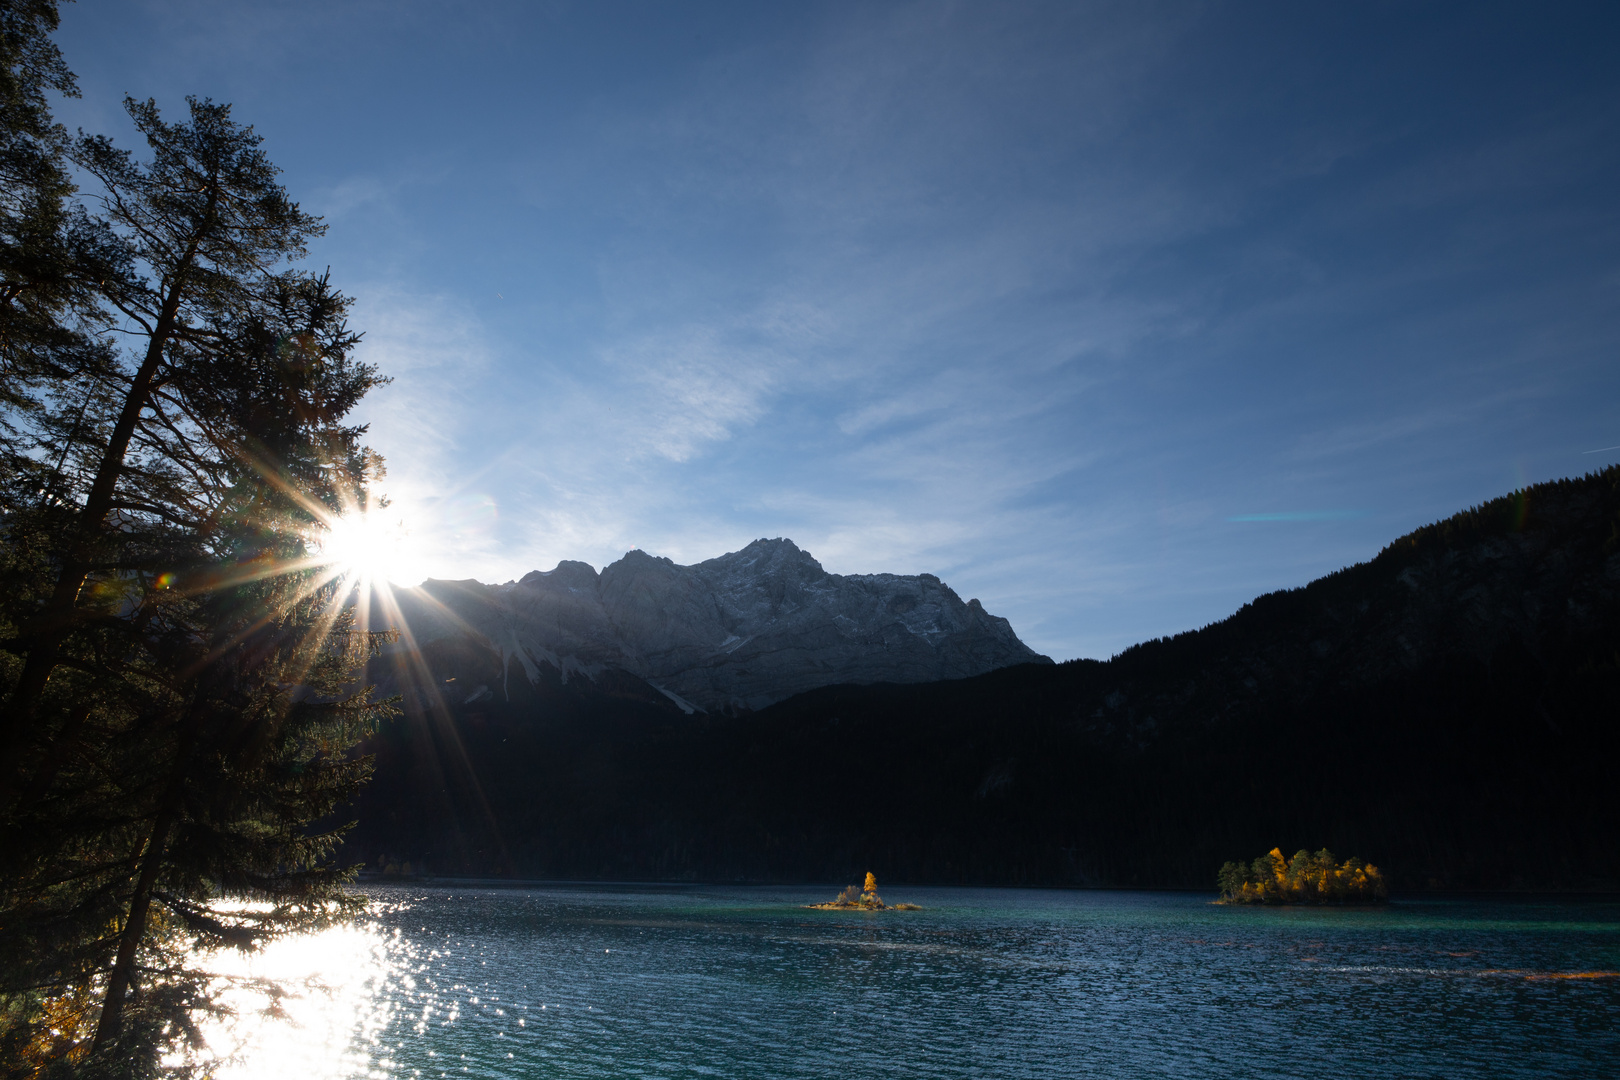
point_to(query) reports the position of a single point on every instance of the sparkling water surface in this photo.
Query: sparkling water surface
(656, 981)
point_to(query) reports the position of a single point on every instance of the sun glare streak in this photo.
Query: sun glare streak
(365, 548)
(320, 1005)
(424, 691)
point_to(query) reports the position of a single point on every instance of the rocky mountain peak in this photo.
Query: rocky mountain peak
(568, 575)
(767, 555)
(742, 630)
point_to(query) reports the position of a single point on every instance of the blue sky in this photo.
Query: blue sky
(1111, 315)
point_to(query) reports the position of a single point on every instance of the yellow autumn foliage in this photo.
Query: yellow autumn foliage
(1303, 879)
(869, 891)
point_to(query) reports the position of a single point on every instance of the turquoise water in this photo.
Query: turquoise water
(743, 982)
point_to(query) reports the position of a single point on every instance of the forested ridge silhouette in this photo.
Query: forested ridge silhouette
(1446, 710)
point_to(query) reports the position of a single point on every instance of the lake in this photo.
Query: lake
(688, 981)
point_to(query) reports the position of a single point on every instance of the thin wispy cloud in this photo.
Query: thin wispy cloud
(689, 388)
(1034, 297)
(1301, 515)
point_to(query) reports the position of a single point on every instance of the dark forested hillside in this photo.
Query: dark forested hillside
(1448, 711)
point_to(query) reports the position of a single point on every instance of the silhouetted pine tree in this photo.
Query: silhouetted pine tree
(54, 258)
(178, 672)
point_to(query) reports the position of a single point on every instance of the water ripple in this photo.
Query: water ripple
(687, 982)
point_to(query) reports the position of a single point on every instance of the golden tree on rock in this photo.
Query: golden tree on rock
(867, 900)
(869, 891)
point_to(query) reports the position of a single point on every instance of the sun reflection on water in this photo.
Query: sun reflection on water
(315, 1006)
(432, 984)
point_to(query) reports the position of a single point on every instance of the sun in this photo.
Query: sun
(367, 546)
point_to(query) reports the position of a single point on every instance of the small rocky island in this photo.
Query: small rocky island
(856, 898)
(1304, 879)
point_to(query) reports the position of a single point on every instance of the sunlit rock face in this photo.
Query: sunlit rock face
(741, 631)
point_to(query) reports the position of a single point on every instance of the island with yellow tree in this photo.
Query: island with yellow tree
(1304, 879)
(862, 899)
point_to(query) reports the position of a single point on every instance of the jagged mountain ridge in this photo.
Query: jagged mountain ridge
(741, 631)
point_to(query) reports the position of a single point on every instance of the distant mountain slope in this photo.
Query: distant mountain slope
(1449, 710)
(737, 632)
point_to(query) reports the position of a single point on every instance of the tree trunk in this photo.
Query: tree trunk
(122, 979)
(51, 626)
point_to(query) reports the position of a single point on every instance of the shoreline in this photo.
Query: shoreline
(373, 878)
